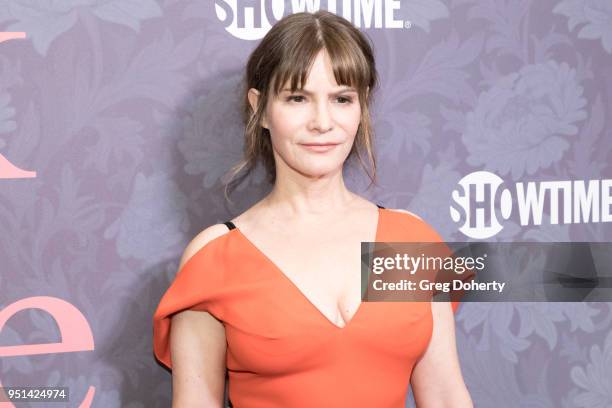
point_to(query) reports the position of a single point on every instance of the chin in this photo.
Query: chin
(321, 171)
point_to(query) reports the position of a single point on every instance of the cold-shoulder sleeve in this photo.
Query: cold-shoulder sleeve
(198, 285)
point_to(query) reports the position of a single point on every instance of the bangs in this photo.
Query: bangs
(350, 67)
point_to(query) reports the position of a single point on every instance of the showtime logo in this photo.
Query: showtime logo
(252, 19)
(480, 204)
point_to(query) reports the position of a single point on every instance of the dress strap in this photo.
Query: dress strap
(380, 206)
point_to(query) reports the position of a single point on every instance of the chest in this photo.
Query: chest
(321, 269)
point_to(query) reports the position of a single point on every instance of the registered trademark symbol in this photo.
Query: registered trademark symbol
(407, 24)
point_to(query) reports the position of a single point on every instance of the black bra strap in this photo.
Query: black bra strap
(380, 206)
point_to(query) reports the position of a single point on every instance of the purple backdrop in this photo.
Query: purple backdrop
(127, 110)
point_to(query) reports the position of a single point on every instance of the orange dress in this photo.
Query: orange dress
(281, 350)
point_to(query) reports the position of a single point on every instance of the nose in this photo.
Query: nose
(322, 119)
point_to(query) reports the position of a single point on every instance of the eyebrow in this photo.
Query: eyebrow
(341, 90)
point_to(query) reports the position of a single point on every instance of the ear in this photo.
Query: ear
(253, 96)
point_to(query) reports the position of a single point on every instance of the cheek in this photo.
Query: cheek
(284, 124)
(350, 121)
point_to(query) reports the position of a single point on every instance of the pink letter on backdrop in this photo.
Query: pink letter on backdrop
(74, 330)
(7, 169)
(5, 36)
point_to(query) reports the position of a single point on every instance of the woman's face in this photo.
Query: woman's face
(323, 114)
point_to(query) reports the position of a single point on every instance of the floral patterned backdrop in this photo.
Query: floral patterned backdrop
(128, 112)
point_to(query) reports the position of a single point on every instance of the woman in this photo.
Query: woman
(273, 296)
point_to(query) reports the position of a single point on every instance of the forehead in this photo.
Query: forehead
(320, 74)
(323, 73)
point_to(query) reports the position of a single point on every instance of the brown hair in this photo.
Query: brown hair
(286, 53)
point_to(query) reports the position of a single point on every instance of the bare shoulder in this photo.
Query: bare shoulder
(198, 345)
(203, 238)
(405, 212)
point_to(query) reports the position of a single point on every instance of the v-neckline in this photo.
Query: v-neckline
(300, 293)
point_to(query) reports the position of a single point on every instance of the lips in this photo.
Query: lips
(319, 147)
